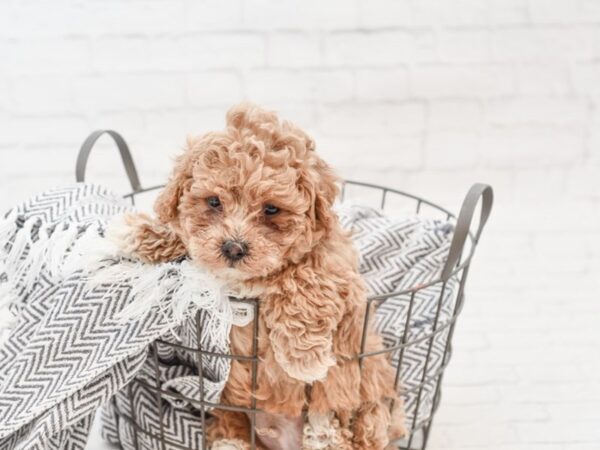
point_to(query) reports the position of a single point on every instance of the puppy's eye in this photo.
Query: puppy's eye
(270, 210)
(213, 202)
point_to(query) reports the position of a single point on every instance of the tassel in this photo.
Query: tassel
(89, 253)
(63, 238)
(8, 228)
(35, 259)
(6, 298)
(176, 290)
(19, 257)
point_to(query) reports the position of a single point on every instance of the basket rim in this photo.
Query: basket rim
(382, 297)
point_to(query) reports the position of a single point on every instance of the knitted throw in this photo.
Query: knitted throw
(83, 319)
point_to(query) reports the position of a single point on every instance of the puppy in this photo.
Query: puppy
(253, 205)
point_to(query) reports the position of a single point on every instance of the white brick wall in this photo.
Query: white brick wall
(425, 95)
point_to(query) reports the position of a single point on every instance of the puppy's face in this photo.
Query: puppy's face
(242, 217)
(252, 199)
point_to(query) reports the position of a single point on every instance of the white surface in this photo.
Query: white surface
(425, 95)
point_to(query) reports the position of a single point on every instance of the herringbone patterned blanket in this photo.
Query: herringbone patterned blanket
(70, 349)
(399, 254)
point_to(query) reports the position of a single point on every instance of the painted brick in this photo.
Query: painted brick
(452, 150)
(134, 17)
(554, 12)
(382, 85)
(585, 78)
(384, 48)
(385, 13)
(49, 94)
(300, 14)
(459, 46)
(213, 15)
(294, 50)
(458, 13)
(543, 79)
(37, 56)
(226, 50)
(130, 91)
(507, 12)
(466, 81)
(537, 110)
(401, 153)
(390, 120)
(426, 96)
(455, 115)
(270, 86)
(526, 44)
(531, 146)
(213, 88)
(45, 131)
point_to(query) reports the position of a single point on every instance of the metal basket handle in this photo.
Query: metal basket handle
(463, 223)
(86, 148)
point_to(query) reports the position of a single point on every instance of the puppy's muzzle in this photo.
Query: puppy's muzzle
(234, 250)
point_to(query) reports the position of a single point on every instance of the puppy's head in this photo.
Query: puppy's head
(251, 199)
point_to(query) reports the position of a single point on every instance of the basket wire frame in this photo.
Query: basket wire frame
(457, 269)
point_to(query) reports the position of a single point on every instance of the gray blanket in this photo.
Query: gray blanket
(69, 350)
(397, 254)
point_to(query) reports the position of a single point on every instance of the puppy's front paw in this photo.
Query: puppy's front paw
(307, 363)
(309, 373)
(139, 236)
(122, 232)
(324, 432)
(229, 444)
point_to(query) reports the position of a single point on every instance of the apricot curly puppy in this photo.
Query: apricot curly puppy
(253, 204)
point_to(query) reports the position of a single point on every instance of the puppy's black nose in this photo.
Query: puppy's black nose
(234, 250)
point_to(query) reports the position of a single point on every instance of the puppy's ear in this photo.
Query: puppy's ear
(167, 202)
(321, 184)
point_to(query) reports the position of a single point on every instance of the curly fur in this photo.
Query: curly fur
(300, 261)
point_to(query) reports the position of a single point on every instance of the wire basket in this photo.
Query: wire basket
(425, 387)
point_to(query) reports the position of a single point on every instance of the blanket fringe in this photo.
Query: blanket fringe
(8, 230)
(27, 248)
(8, 226)
(176, 289)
